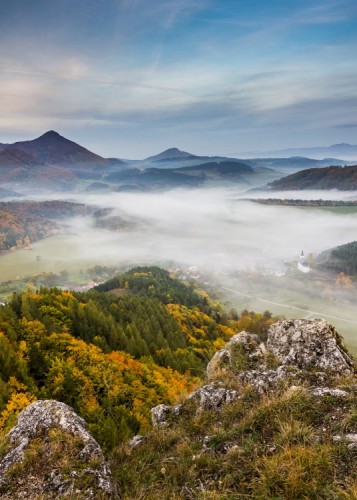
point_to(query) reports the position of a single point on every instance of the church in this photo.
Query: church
(303, 265)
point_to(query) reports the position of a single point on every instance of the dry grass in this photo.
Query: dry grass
(256, 448)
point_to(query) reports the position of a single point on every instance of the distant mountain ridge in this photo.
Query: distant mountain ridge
(187, 176)
(341, 150)
(53, 161)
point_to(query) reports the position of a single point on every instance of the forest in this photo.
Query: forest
(26, 221)
(304, 203)
(344, 178)
(112, 358)
(341, 259)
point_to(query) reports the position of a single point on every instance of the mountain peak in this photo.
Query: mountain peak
(172, 151)
(50, 134)
(170, 154)
(53, 148)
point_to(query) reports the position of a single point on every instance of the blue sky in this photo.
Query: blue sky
(130, 78)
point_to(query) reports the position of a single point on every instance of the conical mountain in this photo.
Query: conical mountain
(171, 154)
(52, 148)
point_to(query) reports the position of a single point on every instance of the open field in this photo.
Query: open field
(294, 297)
(53, 254)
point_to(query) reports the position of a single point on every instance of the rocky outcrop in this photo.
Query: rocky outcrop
(309, 345)
(208, 397)
(247, 345)
(296, 350)
(304, 353)
(213, 396)
(160, 414)
(50, 452)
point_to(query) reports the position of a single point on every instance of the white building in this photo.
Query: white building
(303, 265)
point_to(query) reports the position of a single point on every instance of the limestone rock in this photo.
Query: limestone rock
(309, 344)
(308, 353)
(208, 397)
(301, 350)
(161, 413)
(249, 344)
(49, 429)
(321, 392)
(264, 380)
(350, 438)
(213, 396)
(136, 441)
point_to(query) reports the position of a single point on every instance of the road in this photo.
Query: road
(308, 311)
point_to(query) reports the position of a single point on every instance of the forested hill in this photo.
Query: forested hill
(341, 259)
(112, 358)
(22, 222)
(156, 283)
(343, 178)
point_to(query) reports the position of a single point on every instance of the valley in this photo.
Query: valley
(247, 247)
(293, 297)
(227, 228)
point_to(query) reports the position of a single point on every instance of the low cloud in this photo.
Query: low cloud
(209, 228)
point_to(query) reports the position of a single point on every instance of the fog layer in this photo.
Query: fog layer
(212, 228)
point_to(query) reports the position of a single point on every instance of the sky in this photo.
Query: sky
(131, 78)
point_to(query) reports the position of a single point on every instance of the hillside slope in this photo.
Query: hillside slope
(341, 259)
(111, 356)
(31, 221)
(275, 420)
(343, 178)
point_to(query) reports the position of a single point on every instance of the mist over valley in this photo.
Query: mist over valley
(234, 224)
(246, 251)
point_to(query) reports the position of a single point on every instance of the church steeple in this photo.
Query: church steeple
(303, 265)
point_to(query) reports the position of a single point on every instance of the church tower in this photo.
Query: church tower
(303, 265)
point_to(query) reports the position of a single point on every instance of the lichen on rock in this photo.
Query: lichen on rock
(299, 350)
(309, 344)
(213, 396)
(52, 453)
